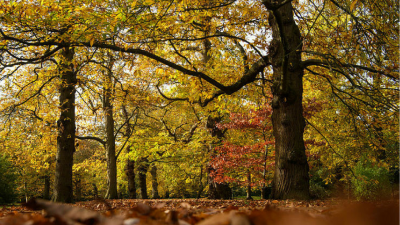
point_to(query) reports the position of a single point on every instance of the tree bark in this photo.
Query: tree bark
(291, 179)
(248, 192)
(110, 142)
(26, 192)
(154, 182)
(130, 174)
(142, 169)
(264, 194)
(95, 191)
(130, 164)
(66, 129)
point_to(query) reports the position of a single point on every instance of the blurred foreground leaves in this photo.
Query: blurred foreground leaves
(210, 212)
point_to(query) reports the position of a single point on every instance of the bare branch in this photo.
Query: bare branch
(91, 138)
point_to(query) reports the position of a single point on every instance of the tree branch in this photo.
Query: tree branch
(126, 121)
(317, 62)
(91, 138)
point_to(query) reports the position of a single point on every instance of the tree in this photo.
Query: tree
(130, 164)
(173, 35)
(110, 132)
(32, 149)
(244, 152)
(109, 96)
(66, 129)
(7, 178)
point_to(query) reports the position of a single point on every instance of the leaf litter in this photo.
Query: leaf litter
(202, 212)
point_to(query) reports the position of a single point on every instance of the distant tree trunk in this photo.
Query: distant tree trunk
(248, 192)
(78, 189)
(46, 192)
(120, 192)
(130, 174)
(200, 190)
(130, 164)
(264, 191)
(224, 191)
(66, 129)
(110, 143)
(381, 152)
(26, 191)
(95, 191)
(167, 194)
(291, 179)
(142, 170)
(216, 190)
(154, 182)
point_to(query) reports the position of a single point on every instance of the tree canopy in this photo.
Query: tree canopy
(88, 85)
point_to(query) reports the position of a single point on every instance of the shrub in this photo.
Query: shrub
(370, 182)
(7, 181)
(318, 188)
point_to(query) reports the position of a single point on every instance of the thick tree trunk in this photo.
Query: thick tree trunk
(291, 178)
(142, 169)
(110, 143)
(46, 192)
(154, 182)
(66, 130)
(248, 192)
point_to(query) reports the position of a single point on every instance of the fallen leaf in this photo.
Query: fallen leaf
(218, 219)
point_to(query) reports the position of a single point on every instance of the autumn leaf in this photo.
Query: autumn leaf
(353, 4)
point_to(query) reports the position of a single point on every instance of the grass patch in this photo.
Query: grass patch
(244, 197)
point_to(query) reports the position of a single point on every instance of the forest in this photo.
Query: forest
(207, 99)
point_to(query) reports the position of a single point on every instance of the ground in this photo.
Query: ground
(202, 211)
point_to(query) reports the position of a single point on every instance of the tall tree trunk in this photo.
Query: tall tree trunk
(200, 190)
(216, 190)
(130, 174)
(78, 188)
(46, 192)
(66, 129)
(248, 192)
(130, 164)
(95, 190)
(142, 169)
(264, 194)
(26, 192)
(110, 143)
(291, 179)
(154, 182)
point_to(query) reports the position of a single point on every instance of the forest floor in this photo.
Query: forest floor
(203, 212)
